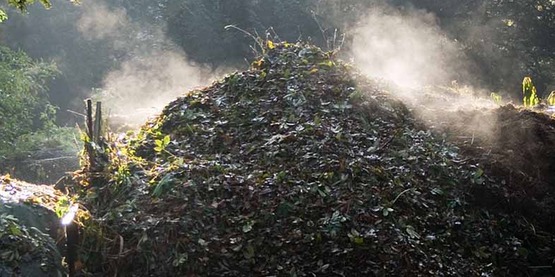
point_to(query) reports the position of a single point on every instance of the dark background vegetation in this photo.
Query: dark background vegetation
(503, 41)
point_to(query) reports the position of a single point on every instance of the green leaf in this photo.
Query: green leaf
(13, 229)
(163, 186)
(3, 16)
(248, 226)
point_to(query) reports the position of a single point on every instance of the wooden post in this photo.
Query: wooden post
(90, 133)
(89, 119)
(72, 240)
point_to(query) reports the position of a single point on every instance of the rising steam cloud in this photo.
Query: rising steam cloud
(406, 47)
(151, 72)
(99, 22)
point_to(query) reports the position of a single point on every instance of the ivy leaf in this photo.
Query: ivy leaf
(248, 226)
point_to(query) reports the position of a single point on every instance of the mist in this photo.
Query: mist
(150, 70)
(425, 67)
(406, 47)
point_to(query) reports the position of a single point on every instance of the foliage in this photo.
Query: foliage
(28, 132)
(24, 107)
(62, 206)
(17, 241)
(63, 139)
(530, 96)
(3, 16)
(22, 5)
(161, 144)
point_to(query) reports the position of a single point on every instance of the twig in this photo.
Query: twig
(257, 40)
(76, 113)
(399, 195)
(324, 36)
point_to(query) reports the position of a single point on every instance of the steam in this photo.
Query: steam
(406, 47)
(151, 70)
(143, 85)
(98, 22)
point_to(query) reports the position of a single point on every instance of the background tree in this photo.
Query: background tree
(505, 40)
(24, 107)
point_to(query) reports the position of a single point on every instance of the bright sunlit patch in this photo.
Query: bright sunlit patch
(70, 215)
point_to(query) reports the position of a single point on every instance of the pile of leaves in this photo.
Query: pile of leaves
(29, 229)
(298, 167)
(515, 144)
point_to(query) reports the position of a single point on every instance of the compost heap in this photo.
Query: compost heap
(296, 167)
(29, 229)
(513, 143)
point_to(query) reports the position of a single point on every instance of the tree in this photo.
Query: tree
(23, 4)
(24, 107)
(506, 40)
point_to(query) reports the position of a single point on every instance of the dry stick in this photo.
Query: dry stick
(256, 40)
(324, 36)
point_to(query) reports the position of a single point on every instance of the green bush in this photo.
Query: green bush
(63, 139)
